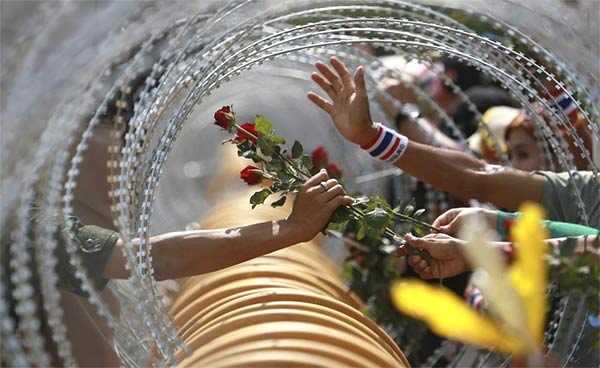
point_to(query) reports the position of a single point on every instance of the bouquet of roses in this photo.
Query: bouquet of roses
(287, 170)
(367, 225)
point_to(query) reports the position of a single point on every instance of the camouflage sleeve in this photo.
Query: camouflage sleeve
(94, 246)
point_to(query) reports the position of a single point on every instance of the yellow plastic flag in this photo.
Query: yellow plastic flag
(449, 316)
(528, 273)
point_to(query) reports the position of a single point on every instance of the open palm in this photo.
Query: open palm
(349, 106)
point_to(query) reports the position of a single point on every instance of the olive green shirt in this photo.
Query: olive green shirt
(94, 247)
(560, 202)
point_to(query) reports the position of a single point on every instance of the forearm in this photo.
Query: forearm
(448, 170)
(462, 175)
(467, 177)
(188, 253)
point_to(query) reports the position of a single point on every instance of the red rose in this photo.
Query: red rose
(319, 157)
(243, 136)
(334, 171)
(251, 175)
(507, 224)
(224, 117)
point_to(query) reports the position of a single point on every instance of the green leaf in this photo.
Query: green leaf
(373, 232)
(265, 146)
(362, 231)
(277, 186)
(419, 213)
(307, 161)
(400, 204)
(244, 147)
(410, 207)
(249, 154)
(275, 165)
(337, 226)
(275, 139)
(360, 199)
(567, 247)
(340, 214)
(294, 184)
(378, 218)
(347, 271)
(262, 125)
(280, 202)
(297, 150)
(284, 175)
(259, 197)
(380, 202)
(418, 230)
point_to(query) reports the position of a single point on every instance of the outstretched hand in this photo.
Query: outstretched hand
(452, 221)
(315, 203)
(349, 106)
(447, 259)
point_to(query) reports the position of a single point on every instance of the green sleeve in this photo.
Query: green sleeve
(563, 229)
(561, 204)
(556, 229)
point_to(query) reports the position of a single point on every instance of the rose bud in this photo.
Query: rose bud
(319, 157)
(251, 175)
(224, 117)
(243, 136)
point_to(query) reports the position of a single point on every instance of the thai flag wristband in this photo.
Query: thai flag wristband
(387, 145)
(475, 299)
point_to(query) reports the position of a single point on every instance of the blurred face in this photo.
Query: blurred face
(524, 152)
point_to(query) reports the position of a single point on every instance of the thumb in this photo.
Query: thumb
(416, 242)
(359, 81)
(449, 228)
(446, 218)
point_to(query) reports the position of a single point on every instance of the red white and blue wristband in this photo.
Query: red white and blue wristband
(388, 145)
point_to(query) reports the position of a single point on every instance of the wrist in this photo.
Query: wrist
(289, 232)
(368, 135)
(387, 144)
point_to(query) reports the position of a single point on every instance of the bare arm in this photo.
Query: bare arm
(187, 253)
(448, 256)
(467, 177)
(449, 170)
